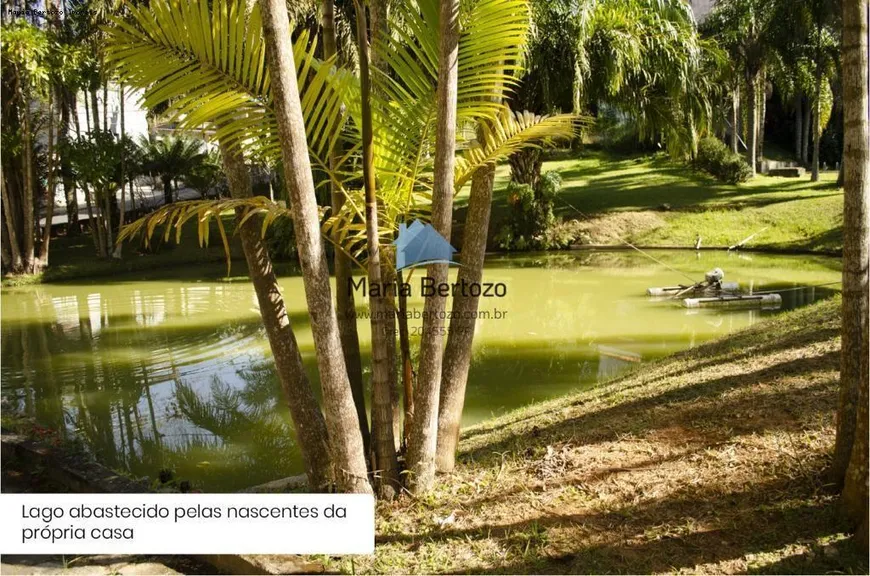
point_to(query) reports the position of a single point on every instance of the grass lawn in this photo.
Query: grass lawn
(707, 461)
(74, 257)
(654, 201)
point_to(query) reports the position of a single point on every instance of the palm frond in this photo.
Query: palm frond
(174, 216)
(212, 71)
(512, 131)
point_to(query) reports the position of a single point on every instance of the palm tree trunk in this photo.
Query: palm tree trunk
(752, 113)
(856, 252)
(735, 119)
(345, 439)
(167, 189)
(27, 253)
(798, 120)
(69, 186)
(762, 114)
(345, 306)
(123, 210)
(805, 139)
(817, 107)
(424, 427)
(307, 418)
(383, 444)
(407, 366)
(48, 198)
(457, 355)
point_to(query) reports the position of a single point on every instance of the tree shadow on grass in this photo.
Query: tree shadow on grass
(678, 532)
(685, 405)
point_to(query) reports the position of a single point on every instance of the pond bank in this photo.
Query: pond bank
(706, 461)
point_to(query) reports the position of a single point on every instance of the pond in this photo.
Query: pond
(152, 373)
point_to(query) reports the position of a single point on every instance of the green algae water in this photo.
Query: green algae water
(176, 374)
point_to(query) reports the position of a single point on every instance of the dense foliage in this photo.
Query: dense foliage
(715, 158)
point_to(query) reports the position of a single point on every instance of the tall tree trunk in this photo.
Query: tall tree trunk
(752, 113)
(345, 439)
(27, 252)
(457, 355)
(48, 198)
(307, 419)
(856, 243)
(406, 363)
(805, 139)
(123, 208)
(14, 246)
(378, 31)
(424, 427)
(798, 120)
(383, 445)
(817, 108)
(105, 100)
(762, 114)
(735, 119)
(69, 187)
(345, 305)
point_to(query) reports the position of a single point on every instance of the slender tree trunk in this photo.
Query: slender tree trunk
(307, 418)
(735, 119)
(345, 305)
(378, 31)
(87, 113)
(457, 355)
(752, 132)
(345, 439)
(817, 108)
(123, 210)
(383, 445)
(27, 203)
(108, 201)
(48, 198)
(424, 427)
(856, 250)
(95, 112)
(407, 365)
(69, 186)
(762, 114)
(167, 189)
(105, 100)
(14, 246)
(805, 139)
(798, 120)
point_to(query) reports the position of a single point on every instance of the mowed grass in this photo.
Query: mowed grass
(708, 461)
(678, 204)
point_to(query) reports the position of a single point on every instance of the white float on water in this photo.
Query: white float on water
(755, 301)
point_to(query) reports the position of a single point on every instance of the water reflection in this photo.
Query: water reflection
(163, 374)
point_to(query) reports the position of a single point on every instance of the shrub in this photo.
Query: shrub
(715, 158)
(531, 224)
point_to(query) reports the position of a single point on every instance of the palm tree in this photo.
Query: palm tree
(224, 84)
(170, 158)
(383, 355)
(644, 58)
